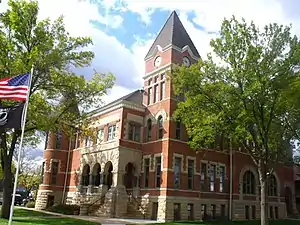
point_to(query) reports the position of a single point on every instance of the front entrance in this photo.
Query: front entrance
(154, 210)
(108, 176)
(50, 201)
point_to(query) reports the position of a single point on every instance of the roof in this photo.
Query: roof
(135, 97)
(173, 32)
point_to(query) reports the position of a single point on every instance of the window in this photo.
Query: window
(212, 177)
(178, 131)
(111, 132)
(162, 76)
(149, 95)
(150, 81)
(223, 207)
(247, 213)
(177, 172)
(162, 90)
(134, 132)
(203, 211)
(58, 140)
(222, 178)
(155, 79)
(213, 211)
(100, 136)
(190, 211)
(88, 141)
(272, 186)
(155, 93)
(149, 129)
(253, 209)
(271, 213)
(146, 172)
(177, 211)
(190, 173)
(203, 176)
(249, 183)
(158, 171)
(54, 172)
(42, 173)
(276, 212)
(160, 127)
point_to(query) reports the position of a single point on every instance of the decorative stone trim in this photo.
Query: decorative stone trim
(241, 176)
(59, 164)
(187, 158)
(161, 158)
(146, 157)
(176, 155)
(161, 113)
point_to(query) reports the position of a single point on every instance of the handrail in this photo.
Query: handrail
(97, 200)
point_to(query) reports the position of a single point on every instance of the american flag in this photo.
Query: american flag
(15, 88)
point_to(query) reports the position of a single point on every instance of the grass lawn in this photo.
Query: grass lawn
(28, 217)
(275, 222)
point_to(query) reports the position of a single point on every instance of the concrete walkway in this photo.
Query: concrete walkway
(95, 219)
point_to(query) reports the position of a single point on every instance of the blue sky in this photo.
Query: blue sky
(123, 30)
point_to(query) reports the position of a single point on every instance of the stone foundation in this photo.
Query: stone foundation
(43, 197)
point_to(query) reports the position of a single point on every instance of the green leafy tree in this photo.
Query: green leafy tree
(56, 89)
(244, 94)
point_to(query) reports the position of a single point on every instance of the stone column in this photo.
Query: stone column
(90, 187)
(79, 185)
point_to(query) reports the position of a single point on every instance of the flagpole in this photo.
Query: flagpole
(24, 115)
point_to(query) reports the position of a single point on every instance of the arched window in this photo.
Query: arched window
(96, 174)
(160, 127)
(249, 183)
(272, 186)
(149, 129)
(85, 179)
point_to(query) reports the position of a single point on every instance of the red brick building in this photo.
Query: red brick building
(141, 165)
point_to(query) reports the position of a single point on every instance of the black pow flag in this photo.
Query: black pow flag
(11, 117)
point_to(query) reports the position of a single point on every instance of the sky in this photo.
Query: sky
(123, 30)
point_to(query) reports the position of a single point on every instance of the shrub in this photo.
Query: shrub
(30, 204)
(64, 209)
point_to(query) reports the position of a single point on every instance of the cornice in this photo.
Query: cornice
(170, 46)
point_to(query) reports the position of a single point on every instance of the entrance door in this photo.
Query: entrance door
(154, 210)
(50, 201)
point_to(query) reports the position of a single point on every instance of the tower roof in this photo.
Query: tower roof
(173, 32)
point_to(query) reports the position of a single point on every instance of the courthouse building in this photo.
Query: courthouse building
(140, 166)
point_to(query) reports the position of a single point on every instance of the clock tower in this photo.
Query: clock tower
(164, 136)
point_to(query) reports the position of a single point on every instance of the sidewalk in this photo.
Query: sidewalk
(95, 219)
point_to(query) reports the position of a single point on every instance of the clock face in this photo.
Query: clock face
(157, 61)
(186, 61)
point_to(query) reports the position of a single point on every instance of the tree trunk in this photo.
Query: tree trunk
(263, 197)
(7, 193)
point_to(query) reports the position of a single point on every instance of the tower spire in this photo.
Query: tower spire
(172, 33)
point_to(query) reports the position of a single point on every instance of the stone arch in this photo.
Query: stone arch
(149, 126)
(248, 172)
(160, 127)
(85, 177)
(107, 174)
(96, 174)
(129, 177)
(161, 113)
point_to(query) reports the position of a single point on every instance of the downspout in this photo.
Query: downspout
(231, 179)
(67, 168)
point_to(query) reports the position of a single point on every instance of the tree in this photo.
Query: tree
(244, 94)
(25, 41)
